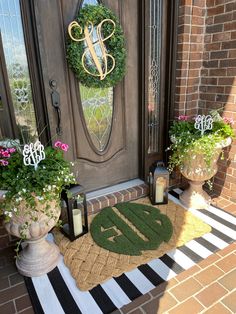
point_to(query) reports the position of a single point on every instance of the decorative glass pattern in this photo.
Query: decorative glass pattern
(154, 59)
(17, 68)
(97, 106)
(92, 2)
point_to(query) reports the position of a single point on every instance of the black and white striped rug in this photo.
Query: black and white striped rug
(57, 292)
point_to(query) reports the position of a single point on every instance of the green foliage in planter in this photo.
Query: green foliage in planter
(115, 46)
(187, 141)
(31, 187)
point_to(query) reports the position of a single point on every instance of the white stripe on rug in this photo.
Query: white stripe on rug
(180, 258)
(215, 240)
(215, 224)
(83, 299)
(198, 248)
(139, 280)
(162, 269)
(115, 293)
(222, 214)
(47, 297)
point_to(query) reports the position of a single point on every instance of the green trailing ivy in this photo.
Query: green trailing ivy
(115, 46)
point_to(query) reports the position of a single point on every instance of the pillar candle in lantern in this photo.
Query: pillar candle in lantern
(77, 221)
(160, 188)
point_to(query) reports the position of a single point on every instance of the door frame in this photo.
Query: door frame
(167, 90)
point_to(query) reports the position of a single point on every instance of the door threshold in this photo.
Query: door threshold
(114, 188)
(122, 192)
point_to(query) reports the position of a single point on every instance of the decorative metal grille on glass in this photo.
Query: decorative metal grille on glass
(154, 59)
(17, 68)
(97, 104)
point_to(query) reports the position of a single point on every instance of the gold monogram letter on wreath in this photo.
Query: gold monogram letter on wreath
(95, 47)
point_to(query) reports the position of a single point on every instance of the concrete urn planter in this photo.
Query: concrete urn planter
(197, 172)
(38, 256)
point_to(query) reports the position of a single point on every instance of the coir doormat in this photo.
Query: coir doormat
(91, 264)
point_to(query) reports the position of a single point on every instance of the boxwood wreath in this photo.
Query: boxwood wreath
(112, 228)
(115, 46)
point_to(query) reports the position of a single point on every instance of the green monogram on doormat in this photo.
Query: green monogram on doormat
(130, 228)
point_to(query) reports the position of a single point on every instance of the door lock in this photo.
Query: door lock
(55, 97)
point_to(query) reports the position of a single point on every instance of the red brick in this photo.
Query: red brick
(14, 292)
(211, 294)
(230, 26)
(23, 302)
(215, 10)
(221, 36)
(230, 7)
(213, 46)
(7, 308)
(230, 301)
(218, 308)
(210, 3)
(197, 20)
(190, 306)
(186, 289)
(160, 304)
(208, 275)
(214, 28)
(228, 263)
(229, 44)
(223, 18)
(219, 54)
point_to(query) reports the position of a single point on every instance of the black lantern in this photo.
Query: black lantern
(158, 183)
(75, 219)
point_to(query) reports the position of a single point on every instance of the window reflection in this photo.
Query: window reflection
(17, 68)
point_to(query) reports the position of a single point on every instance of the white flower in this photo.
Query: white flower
(10, 214)
(23, 190)
(15, 209)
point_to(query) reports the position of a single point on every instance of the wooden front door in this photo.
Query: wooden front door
(111, 157)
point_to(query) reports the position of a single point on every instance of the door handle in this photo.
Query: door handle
(55, 97)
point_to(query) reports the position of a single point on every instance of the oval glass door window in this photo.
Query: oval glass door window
(97, 104)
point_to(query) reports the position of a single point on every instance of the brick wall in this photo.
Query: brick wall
(206, 71)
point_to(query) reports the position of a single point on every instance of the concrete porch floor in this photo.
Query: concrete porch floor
(208, 287)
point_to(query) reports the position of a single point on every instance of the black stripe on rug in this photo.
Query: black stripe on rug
(192, 255)
(33, 296)
(173, 193)
(221, 235)
(102, 300)
(208, 245)
(217, 218)
(150, 274)
(128, 287)
(63, 293)
(166, 259)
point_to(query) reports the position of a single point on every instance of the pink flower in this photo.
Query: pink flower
(182, 118)
(6, 154)
(64, 147)
(58, 144)
(228, 120)
(11, 150)
(3, 162)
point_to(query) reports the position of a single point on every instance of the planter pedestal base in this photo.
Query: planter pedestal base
(37, 258)
(194, 196)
